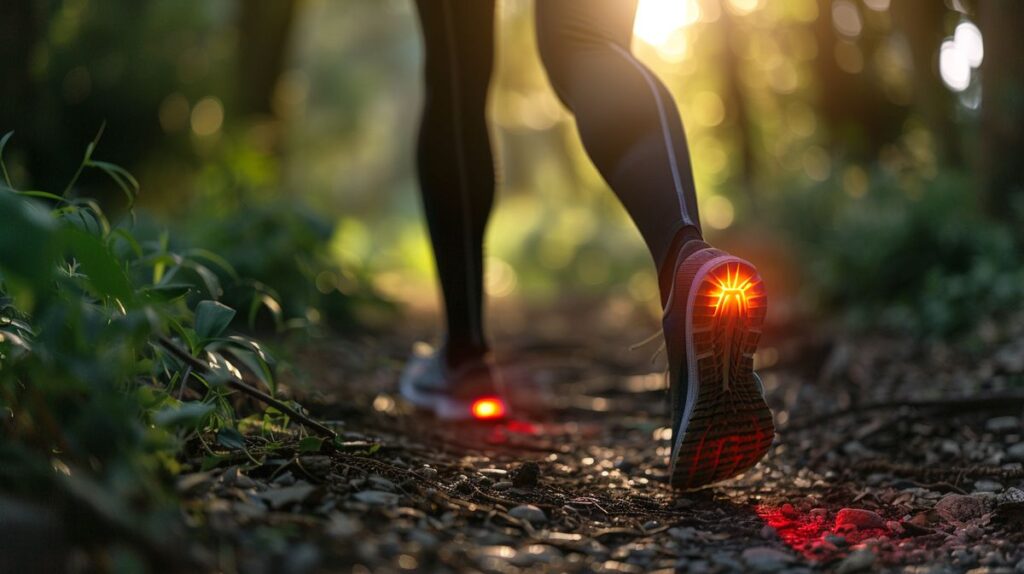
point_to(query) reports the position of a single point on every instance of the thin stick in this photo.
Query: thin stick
(239, 385)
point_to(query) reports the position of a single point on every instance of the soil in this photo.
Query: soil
(893, 453)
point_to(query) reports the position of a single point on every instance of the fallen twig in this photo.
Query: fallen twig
(240, 385)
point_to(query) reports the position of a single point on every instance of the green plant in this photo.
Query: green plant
(114, 355)
(913, 254)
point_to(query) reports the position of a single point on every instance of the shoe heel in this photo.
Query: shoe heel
(731, 427)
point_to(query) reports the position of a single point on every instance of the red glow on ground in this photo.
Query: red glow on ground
(488, 408)
(805, 532)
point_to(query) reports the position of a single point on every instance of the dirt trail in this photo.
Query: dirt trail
(874, 466)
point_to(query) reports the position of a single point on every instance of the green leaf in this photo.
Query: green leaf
(188, 415)
(126, 181)
(3, 168)
(212, 318)
(28, 245)
(230, 438)
(310, 444)
(104, 271)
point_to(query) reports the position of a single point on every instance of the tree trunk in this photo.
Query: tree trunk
(264, 32)
(923, 22)
(1001, 157)
(736, 105)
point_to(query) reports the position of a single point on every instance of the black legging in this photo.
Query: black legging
(627, 121)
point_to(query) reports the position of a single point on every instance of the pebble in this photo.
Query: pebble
(535, 554)
(835, 539)
(765, 559)
(985, 485)
(285, 479)
(1003, 424)
(1011, 495)
(281, 497)
(377, 497)
(858, 519)
(529, 513)
(961, 507)
(1015, 453)
(857, 560)
(683, 533)
(428, 473)
(502, 485)
(789, 512)
(526, 475)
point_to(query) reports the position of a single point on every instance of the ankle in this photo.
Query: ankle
(667, 268)
(459, 354)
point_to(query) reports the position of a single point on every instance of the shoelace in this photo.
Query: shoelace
(653, 337)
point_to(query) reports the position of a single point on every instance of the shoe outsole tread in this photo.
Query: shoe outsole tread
(730, 427)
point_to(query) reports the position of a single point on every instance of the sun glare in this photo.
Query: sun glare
(662, 24)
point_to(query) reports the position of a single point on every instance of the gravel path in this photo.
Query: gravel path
(893, 454)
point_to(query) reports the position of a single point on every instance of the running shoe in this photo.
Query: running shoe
(470, 392)
(721, 423)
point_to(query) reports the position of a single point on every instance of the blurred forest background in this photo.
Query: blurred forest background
(865, 154)
(856, 149)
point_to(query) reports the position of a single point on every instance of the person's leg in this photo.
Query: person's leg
(454, 162)
(714, 303)
(626, 117)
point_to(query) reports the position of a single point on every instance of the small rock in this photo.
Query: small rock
(526, 475)
(376, 497)
(985, 485)
(952, 448)
(819, 512)
(789, 512)
(316, 464)
(502, 485)
(428, 473)
(342, 526)
(857, 560)
(536, 554)
(529, 513)
(683, 533)
(651, 525)
(282, 497)
(961, 507)
(765, 559)
(858, 519)
(835, 540)
(1011, 495)
(1003, 424)
(1015, 453)
(381, 483)
(768, 532)
(894, 526)
(285, 479)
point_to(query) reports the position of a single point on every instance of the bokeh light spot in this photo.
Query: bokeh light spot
(207, 116)
(718, 211)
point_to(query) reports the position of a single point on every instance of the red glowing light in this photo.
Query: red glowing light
(733, 289)
(488, 408)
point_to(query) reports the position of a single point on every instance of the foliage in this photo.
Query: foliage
(282, 249)
(92, 401)
(913, 254)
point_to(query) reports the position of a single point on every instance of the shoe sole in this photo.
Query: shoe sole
(726, 426)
